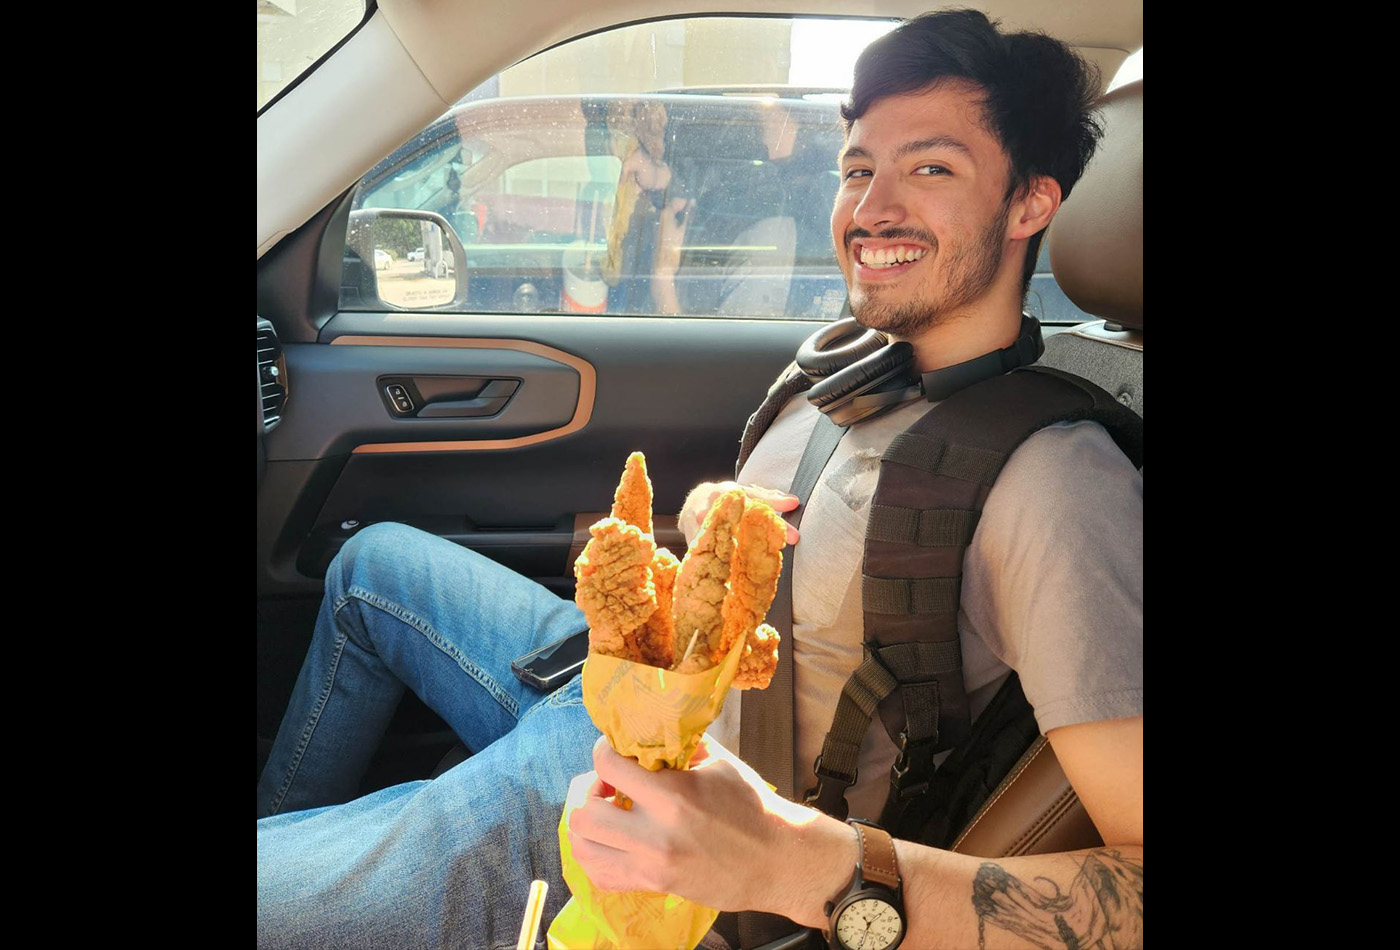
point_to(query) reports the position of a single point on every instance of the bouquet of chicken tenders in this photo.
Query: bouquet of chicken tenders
(667, 640)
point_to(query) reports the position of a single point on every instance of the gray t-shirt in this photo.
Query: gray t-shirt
(1052, 583)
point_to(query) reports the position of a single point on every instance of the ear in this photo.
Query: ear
(1033, 211)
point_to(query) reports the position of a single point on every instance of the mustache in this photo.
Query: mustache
(892, 234)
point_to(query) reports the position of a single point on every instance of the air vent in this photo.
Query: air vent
(272, 371)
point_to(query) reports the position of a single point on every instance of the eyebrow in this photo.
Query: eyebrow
(908, 148)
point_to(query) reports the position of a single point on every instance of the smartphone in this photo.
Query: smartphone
(553, 665)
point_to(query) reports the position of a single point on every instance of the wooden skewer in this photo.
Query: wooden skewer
(534, 908)
(693, 637)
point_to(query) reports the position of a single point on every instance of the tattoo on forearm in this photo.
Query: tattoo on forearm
(1101, 911)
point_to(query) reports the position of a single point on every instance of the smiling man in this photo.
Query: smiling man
(961, 143)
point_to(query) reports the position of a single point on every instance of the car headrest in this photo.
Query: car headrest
(1096, 238)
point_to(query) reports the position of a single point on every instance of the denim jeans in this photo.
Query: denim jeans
(446, 862)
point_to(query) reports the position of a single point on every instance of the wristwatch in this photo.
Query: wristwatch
(870, 914)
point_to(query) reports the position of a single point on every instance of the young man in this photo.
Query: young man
(961, 144)
(935, 225)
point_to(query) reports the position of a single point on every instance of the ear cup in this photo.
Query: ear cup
(889, 368)
(836, 346)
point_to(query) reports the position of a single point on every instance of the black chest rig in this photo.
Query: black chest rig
(934, 479)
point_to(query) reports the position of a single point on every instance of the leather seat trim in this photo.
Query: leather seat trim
(1034, 752)
(1057, 811)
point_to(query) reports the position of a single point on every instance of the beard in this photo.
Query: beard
(969, 271)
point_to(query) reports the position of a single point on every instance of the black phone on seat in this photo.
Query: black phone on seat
(552, 665)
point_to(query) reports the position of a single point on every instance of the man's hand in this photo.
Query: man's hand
(702, 497)
(715, 834)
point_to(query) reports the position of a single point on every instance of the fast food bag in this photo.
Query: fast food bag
(658, 716)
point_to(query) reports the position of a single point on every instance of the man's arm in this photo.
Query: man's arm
(717, 835)
(1051, 900)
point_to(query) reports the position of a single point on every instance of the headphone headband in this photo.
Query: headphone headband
(865, 375)
(939, 384)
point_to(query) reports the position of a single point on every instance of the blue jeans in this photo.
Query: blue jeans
(429, 863)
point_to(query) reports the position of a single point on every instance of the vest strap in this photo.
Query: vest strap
(924, 527)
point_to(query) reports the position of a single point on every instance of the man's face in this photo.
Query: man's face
(920, 217)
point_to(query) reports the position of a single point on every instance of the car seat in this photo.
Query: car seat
(1096, 254)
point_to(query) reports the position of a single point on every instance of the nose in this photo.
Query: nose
(881, 205)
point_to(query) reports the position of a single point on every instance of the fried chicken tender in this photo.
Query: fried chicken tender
(760, 659)
(701, 583)
(753, 579)
(632, 500)
(615, 589)
(645, 606)
(655, 640)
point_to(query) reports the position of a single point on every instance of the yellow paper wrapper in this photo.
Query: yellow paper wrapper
(657, 716)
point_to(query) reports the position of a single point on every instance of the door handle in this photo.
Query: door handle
(463, 407)
(491, 400)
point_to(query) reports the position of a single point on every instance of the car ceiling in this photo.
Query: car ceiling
(414, 58)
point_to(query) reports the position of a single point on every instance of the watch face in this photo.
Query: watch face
(869, 923)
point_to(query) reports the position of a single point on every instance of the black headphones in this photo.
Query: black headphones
(857, 373)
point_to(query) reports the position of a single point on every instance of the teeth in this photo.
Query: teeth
(890, 256)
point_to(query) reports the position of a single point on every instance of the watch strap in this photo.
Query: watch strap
(877, 857)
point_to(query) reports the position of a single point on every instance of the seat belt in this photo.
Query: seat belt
(765, 716)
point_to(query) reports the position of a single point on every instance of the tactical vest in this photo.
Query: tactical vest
(934, 479)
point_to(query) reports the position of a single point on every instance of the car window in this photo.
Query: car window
(681, 167)
(294, 34)
(674, 167)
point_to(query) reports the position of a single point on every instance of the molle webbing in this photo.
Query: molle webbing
(915, 535)
(934, 479)
(926, 529)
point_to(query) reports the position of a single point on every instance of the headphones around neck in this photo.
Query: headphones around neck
(857, 373)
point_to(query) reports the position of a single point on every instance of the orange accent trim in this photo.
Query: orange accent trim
(583, 411)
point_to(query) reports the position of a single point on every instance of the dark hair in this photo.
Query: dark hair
(1039, 95)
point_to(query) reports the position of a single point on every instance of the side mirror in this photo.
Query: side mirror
(409, 260)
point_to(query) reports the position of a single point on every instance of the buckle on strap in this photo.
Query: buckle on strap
(829, 794)
(912, 769)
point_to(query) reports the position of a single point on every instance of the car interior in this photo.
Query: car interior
(519, 418)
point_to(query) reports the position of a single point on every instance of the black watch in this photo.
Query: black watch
(870, 914)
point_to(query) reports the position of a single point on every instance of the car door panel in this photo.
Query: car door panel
(350, 411)
(514, 486)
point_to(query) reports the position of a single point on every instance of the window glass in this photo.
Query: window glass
(293, 34)
(679, 167)
(685, 166)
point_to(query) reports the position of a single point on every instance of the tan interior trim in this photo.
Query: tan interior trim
(1037, 747)
(1033, 811)
(583, 411)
